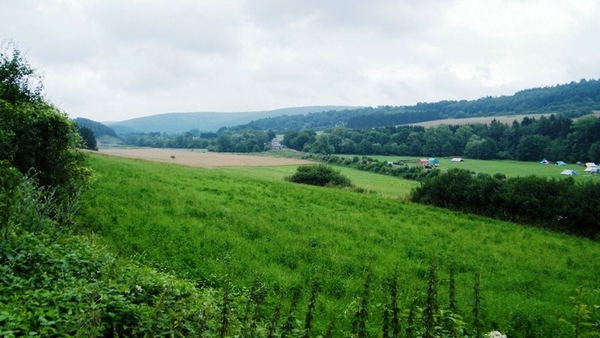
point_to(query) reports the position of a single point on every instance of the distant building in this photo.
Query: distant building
(275, 144)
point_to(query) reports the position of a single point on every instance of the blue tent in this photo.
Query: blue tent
(434, 161)
(560, 163)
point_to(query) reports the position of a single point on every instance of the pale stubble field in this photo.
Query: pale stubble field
(199, 158)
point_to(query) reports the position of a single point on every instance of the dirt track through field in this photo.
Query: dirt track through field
(201, 159)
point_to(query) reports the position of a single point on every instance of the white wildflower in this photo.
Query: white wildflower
(495, 334)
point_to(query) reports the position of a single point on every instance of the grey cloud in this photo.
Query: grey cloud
(190, 26)
(130, 58)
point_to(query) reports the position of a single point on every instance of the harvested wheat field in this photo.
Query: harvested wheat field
(201, 158)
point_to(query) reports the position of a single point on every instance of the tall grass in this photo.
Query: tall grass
(188, 220)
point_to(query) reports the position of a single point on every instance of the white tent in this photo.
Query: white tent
(569, 172)
(456, 159)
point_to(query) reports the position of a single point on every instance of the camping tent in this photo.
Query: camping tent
(434, 161)
(560, 163)
(456, 159)
(569, 172)
(544, 161)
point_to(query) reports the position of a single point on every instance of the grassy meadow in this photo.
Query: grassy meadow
(248, 223)
(508, 167)
(385, 186)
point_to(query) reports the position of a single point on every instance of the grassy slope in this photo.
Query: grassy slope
(189, 220)
(382, 185)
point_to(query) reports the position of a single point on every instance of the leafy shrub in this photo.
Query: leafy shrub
(557, 204)
(320, 175)
(34, 135)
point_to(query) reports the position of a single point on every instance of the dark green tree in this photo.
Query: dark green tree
(18, 81)
(35, 137)
(88, 138)
(532, 148)
(322, 145)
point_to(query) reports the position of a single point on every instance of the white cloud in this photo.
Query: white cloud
(113, 60)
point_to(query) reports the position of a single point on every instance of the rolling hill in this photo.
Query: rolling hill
(177, 123)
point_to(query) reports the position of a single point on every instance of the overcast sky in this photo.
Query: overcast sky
(111, 60)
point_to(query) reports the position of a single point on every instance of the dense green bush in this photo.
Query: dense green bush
(35, 137)
(557, 204)
(320, 175)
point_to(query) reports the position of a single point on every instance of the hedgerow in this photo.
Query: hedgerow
(556, 204)
(365, 163)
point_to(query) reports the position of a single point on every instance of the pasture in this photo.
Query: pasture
(192, 221)
(507, 167)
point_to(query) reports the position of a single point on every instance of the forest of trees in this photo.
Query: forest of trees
(553, 137)
(225, 140)
(572, 100)
(557, 204)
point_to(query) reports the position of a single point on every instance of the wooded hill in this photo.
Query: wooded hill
(572, 100)
(179, 123)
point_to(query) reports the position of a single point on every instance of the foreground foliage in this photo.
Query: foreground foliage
(35, 137)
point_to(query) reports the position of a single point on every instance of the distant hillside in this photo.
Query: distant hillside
(177, 123)
(98, 128)
(571, 100)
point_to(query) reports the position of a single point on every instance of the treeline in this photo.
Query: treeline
(554, 137)
(364, 163)
(313, 121)
(557, 204)
(572, 100)
(225, 140)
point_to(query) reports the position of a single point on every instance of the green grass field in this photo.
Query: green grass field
(192, 220)
(508, 167)
(385, 186)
